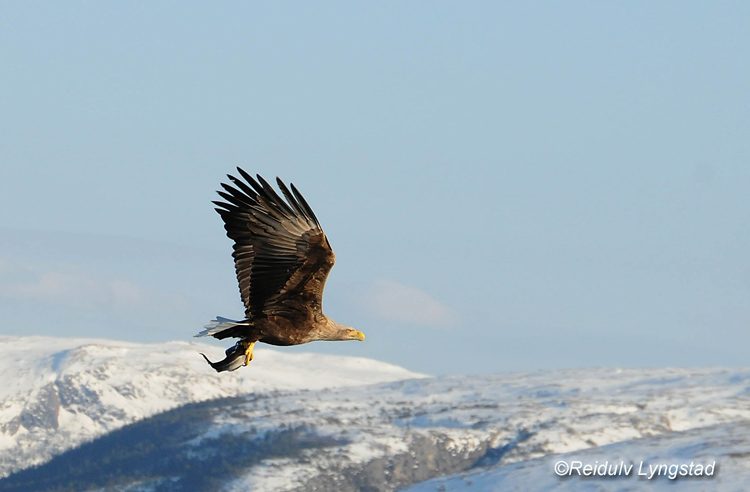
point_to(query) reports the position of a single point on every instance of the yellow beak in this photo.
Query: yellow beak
(358, 335)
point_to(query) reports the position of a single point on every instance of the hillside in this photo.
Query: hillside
(60, 392)
(636, 465)
(374, 427)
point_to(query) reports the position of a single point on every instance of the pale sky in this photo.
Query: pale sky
(507, 186)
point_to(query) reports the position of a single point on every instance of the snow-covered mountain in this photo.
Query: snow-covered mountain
(310, 422)
(402, 432)
(57, 393)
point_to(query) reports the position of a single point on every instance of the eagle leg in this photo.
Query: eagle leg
(249, 352)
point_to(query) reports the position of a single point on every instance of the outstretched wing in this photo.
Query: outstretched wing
(281, 255)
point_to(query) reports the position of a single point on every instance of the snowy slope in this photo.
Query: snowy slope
(725, 445)
(57, 393)
(501, 420)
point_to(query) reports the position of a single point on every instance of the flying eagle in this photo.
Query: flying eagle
(282, 259)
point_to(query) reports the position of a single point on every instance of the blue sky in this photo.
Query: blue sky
(507, 186)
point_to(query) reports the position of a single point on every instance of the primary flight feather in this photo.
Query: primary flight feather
(282, 259)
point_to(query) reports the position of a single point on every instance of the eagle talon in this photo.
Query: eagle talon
(248, 352)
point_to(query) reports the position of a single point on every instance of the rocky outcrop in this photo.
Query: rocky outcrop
(428, 457)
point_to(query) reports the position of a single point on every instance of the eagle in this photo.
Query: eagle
(282, 259)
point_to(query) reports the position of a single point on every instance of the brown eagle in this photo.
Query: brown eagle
(282, 259)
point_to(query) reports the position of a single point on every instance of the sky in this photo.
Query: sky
(507, 185)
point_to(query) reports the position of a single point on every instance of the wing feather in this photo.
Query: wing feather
(244, 187)
(290, 198)
(308, 211)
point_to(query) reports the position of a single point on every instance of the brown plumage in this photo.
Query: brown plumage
(282, 259)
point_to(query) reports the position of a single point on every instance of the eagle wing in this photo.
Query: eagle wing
(281, 255)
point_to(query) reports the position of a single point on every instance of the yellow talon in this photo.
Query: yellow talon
(249, 353)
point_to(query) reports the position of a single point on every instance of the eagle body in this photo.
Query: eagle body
(282, 259)
(276, 330)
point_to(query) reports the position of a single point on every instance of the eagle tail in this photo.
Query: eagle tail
(218, 325)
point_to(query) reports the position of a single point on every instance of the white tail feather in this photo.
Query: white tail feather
(218, 325)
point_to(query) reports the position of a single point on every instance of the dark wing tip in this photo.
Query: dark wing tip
(301, 199)
(250, 180)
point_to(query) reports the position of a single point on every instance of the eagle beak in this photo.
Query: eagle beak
(358, 335)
